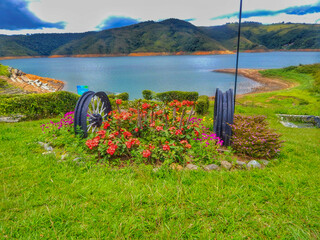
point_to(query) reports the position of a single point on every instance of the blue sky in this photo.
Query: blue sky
(44, 16)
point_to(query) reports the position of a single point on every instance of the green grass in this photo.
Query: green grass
(43, 198)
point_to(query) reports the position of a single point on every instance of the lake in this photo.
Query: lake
(158, 73)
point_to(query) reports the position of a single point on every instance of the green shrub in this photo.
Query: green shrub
(4, 71)
(111, 96)
(202, 105)
(177, 95)
(316, 83)
(147, 94)
(123, 96)
(36, 106)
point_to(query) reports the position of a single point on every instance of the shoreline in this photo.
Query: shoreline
(138, 54)
(146, 54)
(33, 83)
(268, 84)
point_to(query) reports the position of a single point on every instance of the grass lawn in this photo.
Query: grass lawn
(41, 198)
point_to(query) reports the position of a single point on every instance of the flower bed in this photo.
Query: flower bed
(150, 132)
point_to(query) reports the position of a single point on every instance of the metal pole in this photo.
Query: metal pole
(237, 61)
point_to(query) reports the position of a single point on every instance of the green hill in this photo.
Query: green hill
(171, 35)
(274, 36)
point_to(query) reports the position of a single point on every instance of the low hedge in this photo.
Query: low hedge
(123, 96)
(176, 95)
(202, 105)
(36, 106)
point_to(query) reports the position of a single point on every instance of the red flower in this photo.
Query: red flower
(183, 141)
(91, 143)
(196, 132)
(152, 124)
(159, 128)
(159, 112)
(178, 132)
(136, 141)
(118, 101)
(127, 134)
(136, 129)
(146, 153)
(111, 150)
(145, 106)
(102, 133)
(188, 145)
(151, 147)
(128, 144)
(106, 125)
(166, 147)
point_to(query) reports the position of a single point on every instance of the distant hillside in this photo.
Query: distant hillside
(171, 35)
(274, 36)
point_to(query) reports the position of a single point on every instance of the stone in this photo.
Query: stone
(49, 152)
(47, 147)
(221, 150)
(254, 164)
(211, 167)
(156, 169)
(176, 166)
(241, 164)
(226, 165)
(192, 167)
(288, 124)
(265, 162)
(76, 159)
(63, 156)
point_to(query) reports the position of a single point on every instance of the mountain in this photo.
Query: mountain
(274, 36)
(171, 35)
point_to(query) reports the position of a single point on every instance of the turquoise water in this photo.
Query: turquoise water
(158, 73)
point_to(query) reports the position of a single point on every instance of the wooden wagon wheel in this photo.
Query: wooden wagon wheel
(91, 110)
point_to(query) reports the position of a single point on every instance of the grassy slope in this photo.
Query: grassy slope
(41, 197)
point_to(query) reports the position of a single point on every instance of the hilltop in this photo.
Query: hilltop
(168, 36)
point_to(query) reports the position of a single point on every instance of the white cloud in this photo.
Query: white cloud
(85, 15)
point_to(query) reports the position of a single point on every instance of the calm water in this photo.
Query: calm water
(158, 73)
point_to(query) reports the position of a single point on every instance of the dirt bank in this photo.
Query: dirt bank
(138, 54)
(33, 83)
(268, 84)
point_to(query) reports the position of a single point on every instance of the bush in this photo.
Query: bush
(202, 105)
(177, 95)
(147, 94)
(36, 106)
(145, 132)
(111, 96)
(252, 137)
(316, 83)
(4, 71)
(123, 96)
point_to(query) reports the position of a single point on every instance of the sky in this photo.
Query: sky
(61, 16)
